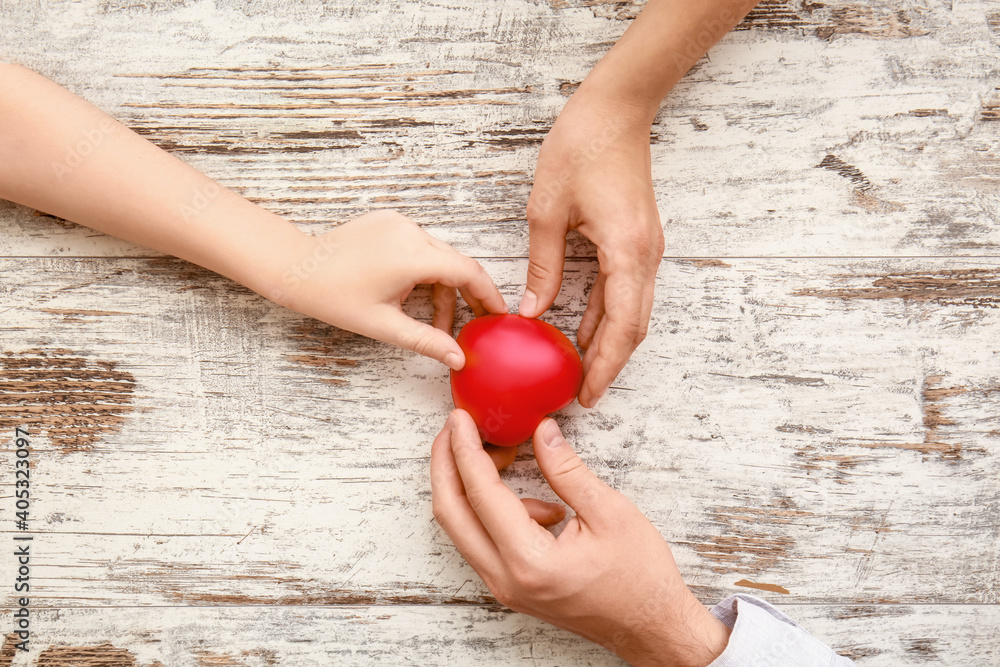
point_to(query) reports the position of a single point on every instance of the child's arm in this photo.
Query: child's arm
(593, 175)
(61, 155)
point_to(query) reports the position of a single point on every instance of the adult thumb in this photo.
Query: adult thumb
(546, 256)
(568, 476)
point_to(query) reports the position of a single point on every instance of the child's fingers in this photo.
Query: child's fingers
(444, 300)
(391, 325)
(469, 275)
(478, 309)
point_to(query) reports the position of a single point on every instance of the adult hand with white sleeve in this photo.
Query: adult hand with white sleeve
(609, 576)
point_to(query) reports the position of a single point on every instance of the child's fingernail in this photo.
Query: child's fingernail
(450, 423)
(528, 304)
(551, 434)
(453, 360)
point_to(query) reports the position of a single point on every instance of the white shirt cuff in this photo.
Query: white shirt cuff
(762, 636)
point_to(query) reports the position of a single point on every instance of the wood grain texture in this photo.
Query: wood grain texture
(273, 469)
(875, 635)
(813, 418)
(322, 111)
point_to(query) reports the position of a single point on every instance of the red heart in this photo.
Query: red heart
(517, 370)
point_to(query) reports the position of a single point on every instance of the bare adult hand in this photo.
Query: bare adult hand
(609, 576)
(593, 175)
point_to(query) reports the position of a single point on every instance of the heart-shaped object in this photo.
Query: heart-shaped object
(517, 370)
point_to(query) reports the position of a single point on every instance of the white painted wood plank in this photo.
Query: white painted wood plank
(838, 129)
(874, 636)
(828, 427)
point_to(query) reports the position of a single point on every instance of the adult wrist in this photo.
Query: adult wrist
(686, 635)
(631, 109)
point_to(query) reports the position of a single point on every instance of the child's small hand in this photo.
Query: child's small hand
(357, 276)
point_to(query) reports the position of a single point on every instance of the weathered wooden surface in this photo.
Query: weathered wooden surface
(221, 481)
(825, 428)
(844, 128)
(875, 635)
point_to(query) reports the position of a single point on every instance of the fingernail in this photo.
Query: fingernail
(594, 398)
(528, 304)
(551, 434)
(453, 360)
(450, 423)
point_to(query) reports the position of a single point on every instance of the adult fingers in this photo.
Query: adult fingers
(568, 476)
(593, 315)
(544, 513)
(648, 299)
(619, 333)
(444, 300)
(453, 512)
(546, 256)
(391, 325)
(501, 512)
(502, 456)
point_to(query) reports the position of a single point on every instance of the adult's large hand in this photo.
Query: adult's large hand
(593, 175)
(609, 576)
